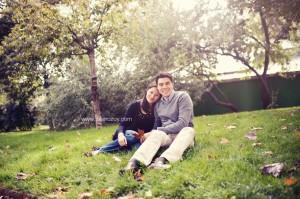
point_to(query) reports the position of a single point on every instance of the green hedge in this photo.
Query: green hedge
(245, 94)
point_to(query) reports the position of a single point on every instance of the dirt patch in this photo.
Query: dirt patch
(11, 194)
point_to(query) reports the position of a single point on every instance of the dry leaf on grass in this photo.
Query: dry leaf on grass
(85, 195)
(107, 191)
(23, 176)
(211, 157)
(295, 167)
(138, 175)
(130, 195)
(51, 148)
(298, 133)
(290, 181)
(224, 141)
(231, 127)
(148, 194)
(284, 128)
(98, 141)
(61, 189)
(256, 128)
(256, 144)
(267, 153)
(274, 169)
(251, 135)
(117, 159)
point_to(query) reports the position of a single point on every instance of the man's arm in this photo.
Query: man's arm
(185, 113)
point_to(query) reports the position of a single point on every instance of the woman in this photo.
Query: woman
(137, 122)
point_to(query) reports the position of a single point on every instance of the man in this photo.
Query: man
(173, 127)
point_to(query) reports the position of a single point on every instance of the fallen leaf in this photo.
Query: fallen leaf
(23, 176)
(94, 148)
(49, 179)
(256, 144)
(130, 195)
(61, 189)
(224, 141)
(148, 194)
(140, 134)
(290, 181)
(298, 133)
(284, 128)
(231, 127)
(98, 141)
(85, 195)
(88, 154)
(51, 148)
(107, 191)
(138, 175)
(116, 159)
(251, 135)
(295, 167)
(268, 153)
(274, 169)
(256, 128)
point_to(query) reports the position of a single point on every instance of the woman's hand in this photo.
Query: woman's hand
(122, 139)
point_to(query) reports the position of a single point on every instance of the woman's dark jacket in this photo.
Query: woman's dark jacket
(135, 120)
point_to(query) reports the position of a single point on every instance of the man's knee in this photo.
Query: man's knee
(188, 131)
(157, 134)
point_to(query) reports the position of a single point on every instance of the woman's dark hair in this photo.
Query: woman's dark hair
(145, 104)
(163, 75)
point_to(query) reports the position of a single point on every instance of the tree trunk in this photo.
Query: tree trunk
(221, 103)
(265, 92)
(94, 88)
(265, 89)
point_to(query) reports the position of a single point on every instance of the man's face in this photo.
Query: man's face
(165, 86)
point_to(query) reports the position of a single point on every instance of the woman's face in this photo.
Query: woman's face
(152, 95)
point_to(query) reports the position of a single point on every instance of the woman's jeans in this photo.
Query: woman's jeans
(132, 142)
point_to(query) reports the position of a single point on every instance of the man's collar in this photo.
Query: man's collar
(167, 99)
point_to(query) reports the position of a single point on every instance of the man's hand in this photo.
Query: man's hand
(122, 139)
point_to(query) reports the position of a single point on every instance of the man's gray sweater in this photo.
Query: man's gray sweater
(174, 112)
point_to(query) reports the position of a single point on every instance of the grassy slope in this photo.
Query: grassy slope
(210, 170)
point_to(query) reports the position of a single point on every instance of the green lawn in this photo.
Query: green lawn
(210, 170)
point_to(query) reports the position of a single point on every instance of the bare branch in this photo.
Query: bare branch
(259, 42)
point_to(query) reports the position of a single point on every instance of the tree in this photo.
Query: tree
(71, 28)
(250, 37)
(154, 41)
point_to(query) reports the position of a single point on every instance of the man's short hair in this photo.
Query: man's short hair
(163, 75)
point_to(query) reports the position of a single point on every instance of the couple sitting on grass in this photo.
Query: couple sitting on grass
(163, 118)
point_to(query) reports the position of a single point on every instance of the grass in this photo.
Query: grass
(209, 170)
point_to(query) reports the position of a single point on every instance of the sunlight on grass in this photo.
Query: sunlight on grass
(210, 170)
